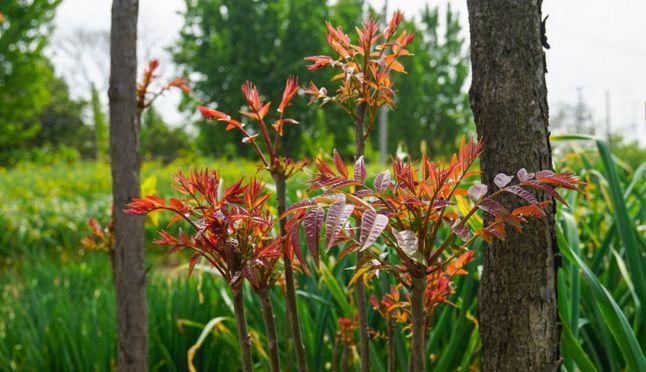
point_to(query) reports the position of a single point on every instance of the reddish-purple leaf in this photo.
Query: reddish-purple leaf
(496, 209)
(461, 230)
(477, 192)
(313, 224)
(192, 262)
(340, 165)
(343, 183)
(519, 191)
(565, 180)
(523, 176)
(361, 193)
(382, 181)
(337, 216)
(501, 180)
(360, 169)
(305, 203)
(544, 173)
(372, 224)
(407, 241)
(548, 189)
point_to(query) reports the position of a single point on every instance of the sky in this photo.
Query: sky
(598, 48)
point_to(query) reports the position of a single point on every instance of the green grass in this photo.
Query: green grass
(57, 301)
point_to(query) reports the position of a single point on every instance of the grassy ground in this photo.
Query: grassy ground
(56, 299)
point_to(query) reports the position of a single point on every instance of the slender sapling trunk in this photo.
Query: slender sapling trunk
(290, 290)
(270, 329)
(417, 351)
(390, 345)
(241, 325)
(360, 145)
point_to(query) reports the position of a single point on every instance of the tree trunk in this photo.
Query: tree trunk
(417, 349)
(519, 322)
(290, 290)
(364, 329)
(129, 269)
(270, 329)
(241, 326)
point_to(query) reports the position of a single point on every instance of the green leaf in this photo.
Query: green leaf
(572, 348)
(611, 313)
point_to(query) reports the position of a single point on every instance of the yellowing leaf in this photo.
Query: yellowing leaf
(463, 205)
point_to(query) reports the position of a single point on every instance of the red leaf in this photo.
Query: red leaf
(477, 192)
(501, 180)
(524, 176)
(291, 88)
(548, 189)
(382, 181)
(313, 225)
(208, 113)
(340, 165)
(192, 262)
(496, 209)
(519, 191)
(337, 217)
(360, 169)
(461, 230)
(372, 224)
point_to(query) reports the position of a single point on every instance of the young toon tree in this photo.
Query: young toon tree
(365, 87)
(280, 168)
(233, 232)
(102, 238)
(416, 214)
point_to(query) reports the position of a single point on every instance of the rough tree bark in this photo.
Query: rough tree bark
(129, 270)
(519, 322)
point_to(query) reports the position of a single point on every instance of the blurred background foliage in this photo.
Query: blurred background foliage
(221, 45)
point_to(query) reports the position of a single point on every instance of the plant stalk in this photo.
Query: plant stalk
(417, 351)
(345, 357)
(360, 144)
(390, 345)
(241, 325)
(290, 290)
(270, 329)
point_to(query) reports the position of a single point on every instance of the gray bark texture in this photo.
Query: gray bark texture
(129, 269)
(519, 323)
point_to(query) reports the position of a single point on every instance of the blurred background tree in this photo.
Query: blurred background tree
(161, 142)
(214, 52)
(24, 72)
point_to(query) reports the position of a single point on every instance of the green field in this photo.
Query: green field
(56, 298)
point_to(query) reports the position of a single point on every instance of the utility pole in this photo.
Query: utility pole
(383, 114)
(578, 113)
(608, 115)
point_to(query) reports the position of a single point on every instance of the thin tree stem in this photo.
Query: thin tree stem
(390, 345)
(241, 325)
(345, 357)
(270, 329)
(290, 290)
(359, 141)
(417, 351)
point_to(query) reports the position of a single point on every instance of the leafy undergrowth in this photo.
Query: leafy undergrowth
(56, 298)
